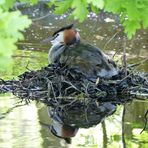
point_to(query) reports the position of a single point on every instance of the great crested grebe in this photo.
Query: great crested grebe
(67, 48)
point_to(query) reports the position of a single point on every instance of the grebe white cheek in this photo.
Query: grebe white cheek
(58, 38)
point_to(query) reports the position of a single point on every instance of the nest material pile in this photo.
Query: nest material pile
(58, 85)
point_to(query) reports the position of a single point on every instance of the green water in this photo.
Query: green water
(21, 129)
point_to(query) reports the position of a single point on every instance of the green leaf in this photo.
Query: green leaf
(114, 6)
(63, 6)
(30, 1)
(51, 3)
(7, 46)
(11, 25)
(13, 20)
(80, 9)
(131, 27)
(2, 2)
(144, 18)
(140, 3)
(132, 11)
(7, 4)
(94, 9)
(34, 1)
(97, 3)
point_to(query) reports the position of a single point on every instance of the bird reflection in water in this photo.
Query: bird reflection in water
(66, 126)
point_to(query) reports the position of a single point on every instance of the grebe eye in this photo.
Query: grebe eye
(56, 35)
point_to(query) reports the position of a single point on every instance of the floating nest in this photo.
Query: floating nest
(57, 84)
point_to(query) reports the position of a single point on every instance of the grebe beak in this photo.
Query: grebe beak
(77, 37)
(47, 40)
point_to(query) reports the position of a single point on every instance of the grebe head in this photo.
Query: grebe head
(60, 129)
(65, 35)
(63, 131)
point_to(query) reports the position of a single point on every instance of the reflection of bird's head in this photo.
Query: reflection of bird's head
(63, 131)
(65, 35)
